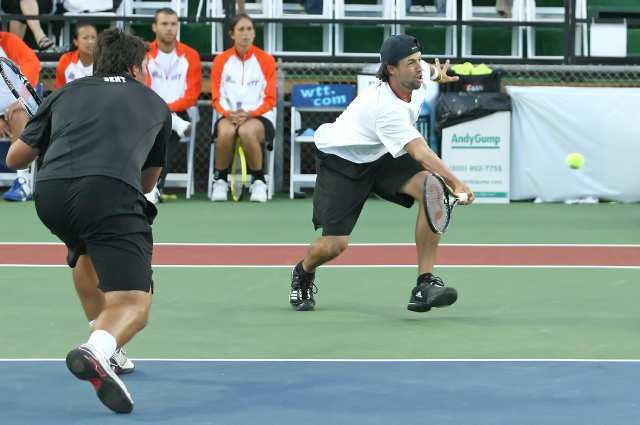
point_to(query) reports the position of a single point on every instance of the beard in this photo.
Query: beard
(411, 84)
(169, 38)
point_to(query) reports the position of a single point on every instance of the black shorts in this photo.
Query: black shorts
(13, 6)
(106, 219)
(342, 187)
(269, 131)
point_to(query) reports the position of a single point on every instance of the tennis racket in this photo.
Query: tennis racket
(439, 201)
(19, 86)
(238, 178)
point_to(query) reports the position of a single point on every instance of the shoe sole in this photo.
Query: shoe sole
(120, 371)
(418, 307)
(83, 366)
(443, 300)
(303, 305)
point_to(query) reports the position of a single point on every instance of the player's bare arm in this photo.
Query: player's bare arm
(418, 149)
(149, 178)
(20, 155)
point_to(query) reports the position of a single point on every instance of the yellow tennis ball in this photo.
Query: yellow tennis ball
(575, 161)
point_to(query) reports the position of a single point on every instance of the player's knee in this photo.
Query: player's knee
(248, 134)
(225, 134)
(416, 185)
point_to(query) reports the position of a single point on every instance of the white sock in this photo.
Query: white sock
(26, 175)
(104, 342)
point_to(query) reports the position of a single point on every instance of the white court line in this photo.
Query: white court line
(346, 266)
(364, 244)
(457, 360)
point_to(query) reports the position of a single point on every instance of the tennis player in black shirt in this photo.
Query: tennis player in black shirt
(101, 143)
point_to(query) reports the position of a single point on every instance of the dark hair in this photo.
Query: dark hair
(163, 10)
(81, 25)
(117, 52)
(234, 21)
(383, 71)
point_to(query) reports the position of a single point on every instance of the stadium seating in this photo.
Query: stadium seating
(318, 36)
(471, 11)
(422, 12)
(553, 11)
(349, 37)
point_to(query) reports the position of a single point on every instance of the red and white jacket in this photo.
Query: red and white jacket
(247, 83)
(181, 87)
(70, 68)
(12, 47)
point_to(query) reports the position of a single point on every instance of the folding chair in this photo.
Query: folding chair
(187, 180)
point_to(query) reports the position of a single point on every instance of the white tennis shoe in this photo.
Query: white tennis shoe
(120, 363)
(258, 191)
(219, 191)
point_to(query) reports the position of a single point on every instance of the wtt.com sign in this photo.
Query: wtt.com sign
(322, 95)
(475, 141)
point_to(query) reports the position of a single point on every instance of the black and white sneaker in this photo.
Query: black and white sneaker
(85, 363)
(431, 292)
(302, 291)
(120, 363)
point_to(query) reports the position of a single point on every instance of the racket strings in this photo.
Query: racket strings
(437, 203)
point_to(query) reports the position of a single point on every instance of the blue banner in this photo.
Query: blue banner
(322, 95)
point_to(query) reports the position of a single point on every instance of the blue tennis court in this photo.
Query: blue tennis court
(335, 392)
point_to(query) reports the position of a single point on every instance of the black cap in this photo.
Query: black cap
(398, 47)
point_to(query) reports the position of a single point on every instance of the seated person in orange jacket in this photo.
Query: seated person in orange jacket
(175, 73)
(78, 63)
(243, 92)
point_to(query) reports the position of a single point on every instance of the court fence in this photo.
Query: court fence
(290, 73)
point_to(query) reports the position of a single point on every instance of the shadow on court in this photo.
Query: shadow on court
(293, 392)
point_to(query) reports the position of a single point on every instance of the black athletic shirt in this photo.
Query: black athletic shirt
(104, 126)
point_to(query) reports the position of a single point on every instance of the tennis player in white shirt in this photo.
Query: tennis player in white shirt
(373, 147)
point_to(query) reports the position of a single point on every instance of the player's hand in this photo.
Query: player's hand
(12, 109)
(463, 188)
(5, 131)
(442, 72)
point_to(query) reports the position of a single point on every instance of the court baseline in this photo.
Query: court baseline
(356, 255)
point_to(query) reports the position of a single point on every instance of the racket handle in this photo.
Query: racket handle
(462, 197)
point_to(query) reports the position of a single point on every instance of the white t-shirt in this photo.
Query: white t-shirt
(78, 70)
(166, 65)
(376, 122)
